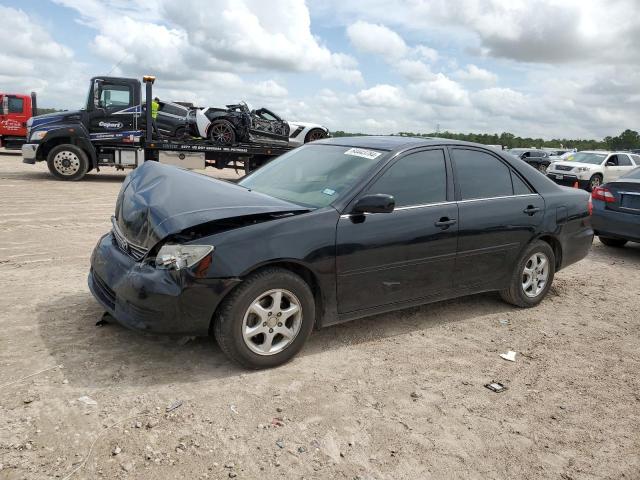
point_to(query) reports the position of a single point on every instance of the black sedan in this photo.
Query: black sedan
(616, 210)
(332, 231)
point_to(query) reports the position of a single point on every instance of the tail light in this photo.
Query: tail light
(602, 193)
(590, 206)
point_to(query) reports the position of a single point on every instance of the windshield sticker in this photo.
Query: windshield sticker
(363, 152)
(329, 191)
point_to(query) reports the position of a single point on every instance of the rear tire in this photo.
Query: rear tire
(68, 162)
(528, 272)
(222, 133)
(613, 242)
(247, 324)
(315, 134)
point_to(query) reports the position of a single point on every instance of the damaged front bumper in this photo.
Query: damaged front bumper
(141, 297)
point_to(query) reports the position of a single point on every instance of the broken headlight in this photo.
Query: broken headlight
(176, 256)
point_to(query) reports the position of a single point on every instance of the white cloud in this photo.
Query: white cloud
(474, 73)
(376, 39)
(426, 53)
(31, 60)
(386, 96)
(442, 91)
(414, 70)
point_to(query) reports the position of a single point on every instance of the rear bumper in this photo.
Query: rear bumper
(29, 153)
(142, 297)
(608, 223)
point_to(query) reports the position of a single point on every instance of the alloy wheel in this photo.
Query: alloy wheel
(535, 274)
(221, 133)
(272, 322)
(66, 163)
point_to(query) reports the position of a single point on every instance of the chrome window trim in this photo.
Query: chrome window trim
(496, 198)
(436, 204)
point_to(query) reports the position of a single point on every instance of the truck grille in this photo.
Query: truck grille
(134, 251)
(563, 168)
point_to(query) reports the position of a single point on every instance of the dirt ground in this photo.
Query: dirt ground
(395, 396)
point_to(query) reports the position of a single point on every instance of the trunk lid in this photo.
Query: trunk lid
(627, 194)
(159, 200)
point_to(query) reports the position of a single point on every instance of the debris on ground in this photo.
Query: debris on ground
(509, 356)
(87, 400)
(496, 387)
(116, 451)
(104, 320)
(174, 405)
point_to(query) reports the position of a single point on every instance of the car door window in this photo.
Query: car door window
(519, 186)
(623, 161)
(416, 179)
(481, 175)
(16, 105)
(115, 96)
(636, 159)
(613, 159)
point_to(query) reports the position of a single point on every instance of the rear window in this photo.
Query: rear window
(634, 174)
(481, 175)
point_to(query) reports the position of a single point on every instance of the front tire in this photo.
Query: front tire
(266, 320)
(532, 276)
(68, 162)
(613, 242)
(594, 182)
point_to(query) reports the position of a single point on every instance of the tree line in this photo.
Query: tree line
(627, 140)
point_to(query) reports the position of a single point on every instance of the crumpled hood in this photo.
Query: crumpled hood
(159, 200)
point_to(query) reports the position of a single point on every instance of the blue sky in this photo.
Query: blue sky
(550, 68)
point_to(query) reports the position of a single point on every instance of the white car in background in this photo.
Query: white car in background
(590, 169)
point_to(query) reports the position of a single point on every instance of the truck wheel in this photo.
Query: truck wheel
(222, 132)
(266, 320)
(532, 276)
(68, 162)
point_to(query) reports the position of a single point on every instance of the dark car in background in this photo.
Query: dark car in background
(172, 119)
(616, 210)
(331, 231)
(538, 159)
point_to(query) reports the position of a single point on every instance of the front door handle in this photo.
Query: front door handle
(531, 210)
(445, 222)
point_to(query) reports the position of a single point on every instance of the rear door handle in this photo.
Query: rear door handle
(445, 222)
(531, 210)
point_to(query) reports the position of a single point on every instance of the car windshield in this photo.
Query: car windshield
(584, 157)
(313, 175)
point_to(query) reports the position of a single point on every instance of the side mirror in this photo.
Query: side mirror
(376, 203)
(610, 164)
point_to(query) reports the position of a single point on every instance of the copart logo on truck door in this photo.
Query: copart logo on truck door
(111, 125)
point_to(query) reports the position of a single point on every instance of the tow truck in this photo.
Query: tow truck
(114, 129)
(15, 111)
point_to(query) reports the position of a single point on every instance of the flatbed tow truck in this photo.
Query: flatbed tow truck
(114, 130)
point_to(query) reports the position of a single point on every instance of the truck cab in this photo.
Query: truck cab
(15, 111)
(76, 142)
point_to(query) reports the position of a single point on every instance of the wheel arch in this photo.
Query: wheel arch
(294, 266)
(85, 146)
(556, 246)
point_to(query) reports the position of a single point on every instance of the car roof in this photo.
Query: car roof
(392, 142)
